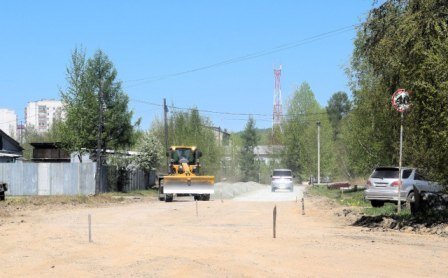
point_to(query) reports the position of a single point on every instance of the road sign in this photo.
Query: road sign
(401, 101)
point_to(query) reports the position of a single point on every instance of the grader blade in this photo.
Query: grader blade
(189, 185)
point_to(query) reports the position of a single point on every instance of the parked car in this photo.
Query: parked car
(382, 185)
(282, 179)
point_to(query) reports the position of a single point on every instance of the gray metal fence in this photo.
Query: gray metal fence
(28, 178)
(138, 180)
(128, 180)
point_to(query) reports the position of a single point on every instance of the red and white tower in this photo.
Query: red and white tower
(278, 109)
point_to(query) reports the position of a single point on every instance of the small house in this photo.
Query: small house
(268, 153)
(10, 149)
(49, 152)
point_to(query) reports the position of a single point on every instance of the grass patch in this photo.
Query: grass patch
(141, 193)
(356, 199)
(103, 198)
(388, 209)
(44, 200)
(322, 190)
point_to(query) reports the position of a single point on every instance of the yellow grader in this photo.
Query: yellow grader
(184, 177)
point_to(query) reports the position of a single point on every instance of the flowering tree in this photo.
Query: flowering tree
(151, 152)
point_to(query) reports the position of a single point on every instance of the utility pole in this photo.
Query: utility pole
(165, 117)
(399, 164)
(318, 152)
(21, 132)
(25, 133)
(100, 132)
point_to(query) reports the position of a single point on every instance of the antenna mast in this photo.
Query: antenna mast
(278, 109)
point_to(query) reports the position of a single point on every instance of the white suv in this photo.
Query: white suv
(282, 179)
(382, 185)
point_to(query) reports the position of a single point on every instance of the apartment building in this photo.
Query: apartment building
(8, 122)
(41, 114)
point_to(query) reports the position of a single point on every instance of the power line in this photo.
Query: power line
(246, 57)
(146, 102)
(210, 112)
(220, 113)
(228, 113)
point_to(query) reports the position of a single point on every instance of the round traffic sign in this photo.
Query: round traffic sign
(401, 101)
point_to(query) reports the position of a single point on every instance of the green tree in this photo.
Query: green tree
(249, 167)
(276, 135)
(403, 44)
(86, 79)
(300, 136)
(368, 134)
(151, 152)
(31, 135)
(231, 170)
(338, 107)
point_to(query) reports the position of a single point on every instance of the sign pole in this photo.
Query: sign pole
(318, 152)
(400, 166)
(401, 103)
(165, 120)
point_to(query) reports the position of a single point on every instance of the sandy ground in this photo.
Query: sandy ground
(230, 238)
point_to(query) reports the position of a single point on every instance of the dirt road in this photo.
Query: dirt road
(265, 195)
(230, 238)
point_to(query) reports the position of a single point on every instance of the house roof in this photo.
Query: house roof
(10, 139)
(45, 145)
(4, 154)
(268, 149)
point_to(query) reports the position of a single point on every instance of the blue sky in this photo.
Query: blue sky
(147, 39)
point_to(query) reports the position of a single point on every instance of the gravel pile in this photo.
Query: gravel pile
(230, 190)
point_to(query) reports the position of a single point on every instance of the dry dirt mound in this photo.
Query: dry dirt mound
(355, 217)
(396, 223)
(18, 205)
